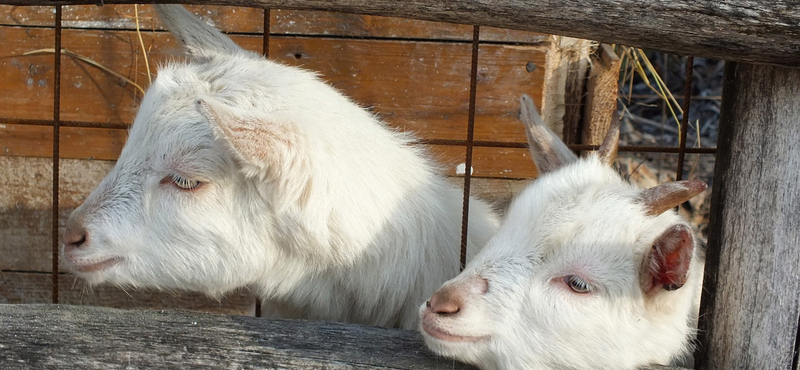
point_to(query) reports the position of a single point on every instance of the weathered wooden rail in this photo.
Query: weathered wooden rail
(751, 304)
(82, 337)
(740, 30)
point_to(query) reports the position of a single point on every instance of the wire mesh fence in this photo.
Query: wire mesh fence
(669, 145)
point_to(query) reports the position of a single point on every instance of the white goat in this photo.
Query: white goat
(241, 172)
(587, 272)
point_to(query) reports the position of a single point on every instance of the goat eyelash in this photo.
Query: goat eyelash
(184, 183)
(578, 284)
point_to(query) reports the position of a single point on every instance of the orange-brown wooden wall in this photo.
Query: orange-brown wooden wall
(413, 74)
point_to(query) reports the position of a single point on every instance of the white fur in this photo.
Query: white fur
(584, 219)
(308, 199)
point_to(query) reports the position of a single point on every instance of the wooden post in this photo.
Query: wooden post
(749, 316)
(602, 90)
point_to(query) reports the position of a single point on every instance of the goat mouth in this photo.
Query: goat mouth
(446, 336)
(99, 266)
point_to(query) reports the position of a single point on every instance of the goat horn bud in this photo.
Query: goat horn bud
(608, 149)
(661, 198)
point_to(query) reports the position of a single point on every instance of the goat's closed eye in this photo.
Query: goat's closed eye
(578, 284)
(184, 183)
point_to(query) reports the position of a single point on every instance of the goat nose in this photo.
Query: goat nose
(443, 302)
(450, 298)
(74, 236)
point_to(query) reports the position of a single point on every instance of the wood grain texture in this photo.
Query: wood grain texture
(69, 337)
(424, 87)
(75, 142)
(26, 83)
(28, 287)
(502, 78)
(356, 25)
(250, 20)
(415, 86)
(564, 79)
(738, 30)
(26, 204)
(602, 90)
(751, 300)
(577, 70)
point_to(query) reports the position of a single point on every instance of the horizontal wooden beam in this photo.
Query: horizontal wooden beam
(82, 337)
(68, 337)
(762, 32)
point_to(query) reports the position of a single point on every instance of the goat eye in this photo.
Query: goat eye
(577, 284)
(184, 183)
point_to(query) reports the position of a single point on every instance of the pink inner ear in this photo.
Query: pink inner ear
(667, 266)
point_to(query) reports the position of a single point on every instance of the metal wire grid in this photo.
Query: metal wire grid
(469, 143)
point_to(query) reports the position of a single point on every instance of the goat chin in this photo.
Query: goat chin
(587, 271)
(242, 172)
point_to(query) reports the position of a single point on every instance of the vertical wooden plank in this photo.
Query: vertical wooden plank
(602, 89)
(564, 77)
(473, 85)
(574, 93)
(752, 289)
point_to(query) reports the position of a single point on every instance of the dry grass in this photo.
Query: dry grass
(125, 80)
(635, 62)
(141, 44)
(88, 61)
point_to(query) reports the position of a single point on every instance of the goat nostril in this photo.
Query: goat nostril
(75, 237)
(448, 308)
(443, 305)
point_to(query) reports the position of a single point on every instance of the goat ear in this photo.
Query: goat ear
(667, 265)
(608, 149)
(661, 198)
(257, 142)
(547, 150)
(198, 38)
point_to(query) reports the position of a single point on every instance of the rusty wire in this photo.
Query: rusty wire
(473, 86)
(265, 52)
(687, 101)
(446, 142)
(44, 122)
(56, 154)
(265, 33)
(576, 147)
